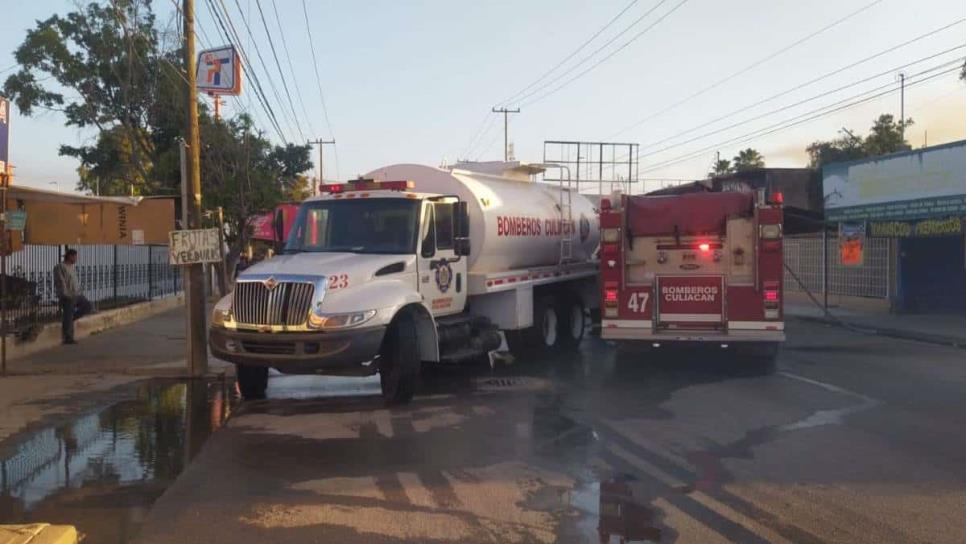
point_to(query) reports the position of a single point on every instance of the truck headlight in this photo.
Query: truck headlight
(221, 312)
(339, 321)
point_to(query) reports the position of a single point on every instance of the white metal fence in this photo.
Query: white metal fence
(803, 254)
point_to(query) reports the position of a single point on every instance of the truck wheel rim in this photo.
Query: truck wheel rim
(549, 327)
(576, 321)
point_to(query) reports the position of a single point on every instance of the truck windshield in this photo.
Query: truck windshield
(374, 225)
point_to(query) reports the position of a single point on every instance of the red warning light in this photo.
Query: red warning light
(704, 247)
(610, 296)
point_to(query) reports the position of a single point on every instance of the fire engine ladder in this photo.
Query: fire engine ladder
(567, 218)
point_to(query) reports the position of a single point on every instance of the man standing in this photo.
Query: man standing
(73, 305)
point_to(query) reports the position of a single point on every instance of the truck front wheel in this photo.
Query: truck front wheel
(252, 381)
(399, 362)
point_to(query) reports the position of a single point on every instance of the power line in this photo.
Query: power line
(820, 78)
(231, 35)
(271, 43)
(291, 68)
(573, 53)
(488, 123)
(799, 119)
(258, 53)
(795, 104)
(611, 54)
(315, 65)
(587, 58)
(748, 68)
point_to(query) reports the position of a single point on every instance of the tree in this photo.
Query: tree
(104, 68)
(885, 136)
(748, 159)
(721, 167)
(105, 56)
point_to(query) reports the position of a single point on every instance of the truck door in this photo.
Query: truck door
(442, 274)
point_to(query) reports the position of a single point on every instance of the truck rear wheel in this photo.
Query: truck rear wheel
(543, 336)
(572, 323)
(252, 381)
(399, 362)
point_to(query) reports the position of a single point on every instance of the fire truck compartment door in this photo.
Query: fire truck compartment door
(690, 301)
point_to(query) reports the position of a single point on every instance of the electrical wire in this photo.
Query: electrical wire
(291, 68)
(747, 69)
(318, 81)
(800, 119)
(572, 53)
(281, 75)
(609, 55)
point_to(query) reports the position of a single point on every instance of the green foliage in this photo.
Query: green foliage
(748, 159)
(103, 67)
(885, 136)
(721, 167)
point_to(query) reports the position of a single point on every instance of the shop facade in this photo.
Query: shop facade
(915, 202)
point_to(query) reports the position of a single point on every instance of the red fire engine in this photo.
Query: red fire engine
(696, 267)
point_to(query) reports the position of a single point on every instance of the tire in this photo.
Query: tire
(252, 381)
(572, 323)
(761, 359)
(542, 336)
(399, 363)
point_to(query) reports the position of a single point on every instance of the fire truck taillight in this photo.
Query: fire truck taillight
(772, 300)
(771, 232)
(704, 247)
(610, 300)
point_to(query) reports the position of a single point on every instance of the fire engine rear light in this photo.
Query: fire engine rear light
(610, 297)
(610, 236)
(610, 312)
(704, 247)
(771, 296)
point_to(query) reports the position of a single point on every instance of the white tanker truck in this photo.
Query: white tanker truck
(415, 264)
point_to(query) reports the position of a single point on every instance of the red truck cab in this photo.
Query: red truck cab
(701, 267)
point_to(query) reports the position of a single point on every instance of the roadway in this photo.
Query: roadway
(853, 439)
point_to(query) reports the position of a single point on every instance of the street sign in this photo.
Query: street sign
(219, 71)
(16, 220)
(193, 246)
(4, 134)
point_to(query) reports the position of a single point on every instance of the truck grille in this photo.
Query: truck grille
(287, 304)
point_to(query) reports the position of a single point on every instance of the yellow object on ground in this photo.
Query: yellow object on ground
(38, 533)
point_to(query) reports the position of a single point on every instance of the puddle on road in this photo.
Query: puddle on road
(613, 514)
(102, 471)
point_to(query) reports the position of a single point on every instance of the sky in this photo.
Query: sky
(414, 81)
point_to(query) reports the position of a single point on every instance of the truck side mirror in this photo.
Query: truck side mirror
(278, 228)
(461, 220)
(461, 246)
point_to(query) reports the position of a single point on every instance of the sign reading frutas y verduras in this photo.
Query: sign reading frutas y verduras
(4, 133)
(193, 246)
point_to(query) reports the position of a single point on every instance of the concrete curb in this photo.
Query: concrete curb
(49, 336)
(937, 339)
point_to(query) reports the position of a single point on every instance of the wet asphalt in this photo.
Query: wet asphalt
(853, 438)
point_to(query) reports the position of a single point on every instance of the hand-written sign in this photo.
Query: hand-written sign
(193, 246)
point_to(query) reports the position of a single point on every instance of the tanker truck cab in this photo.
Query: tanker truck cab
(376, 277)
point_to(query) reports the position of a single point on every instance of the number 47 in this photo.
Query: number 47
(637, 302)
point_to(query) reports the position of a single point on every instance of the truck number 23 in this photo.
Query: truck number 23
(637, 302)
(338, 281)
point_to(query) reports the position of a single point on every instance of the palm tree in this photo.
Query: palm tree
(748, 159)
(721, 167)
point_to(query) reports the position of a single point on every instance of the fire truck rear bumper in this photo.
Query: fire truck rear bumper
(348, 353)
(737, 332)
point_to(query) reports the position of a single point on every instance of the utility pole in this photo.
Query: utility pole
(506, 130)
(902, 105)
(320, 142)
(196, 334)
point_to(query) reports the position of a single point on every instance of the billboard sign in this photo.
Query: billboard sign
(921, 184)
(4, 134)
(219, 71)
